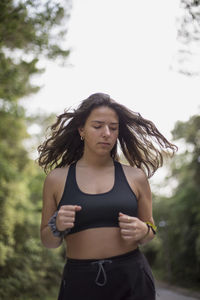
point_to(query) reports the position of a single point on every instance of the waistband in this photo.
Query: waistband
(101, 277)
(117, 258)
(101, 263)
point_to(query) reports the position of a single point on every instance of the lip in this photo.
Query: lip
(104, 143)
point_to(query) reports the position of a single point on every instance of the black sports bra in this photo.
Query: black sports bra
(99, 210)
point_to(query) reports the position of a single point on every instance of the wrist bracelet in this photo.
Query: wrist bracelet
(152, 226)
(54, 230)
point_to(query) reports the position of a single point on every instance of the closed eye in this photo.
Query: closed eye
(113, 129)
(98, 127)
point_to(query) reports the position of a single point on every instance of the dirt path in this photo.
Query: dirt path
(165, 292)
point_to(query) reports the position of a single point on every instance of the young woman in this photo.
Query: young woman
(102, 208)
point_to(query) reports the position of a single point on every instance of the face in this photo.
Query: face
(100, 131)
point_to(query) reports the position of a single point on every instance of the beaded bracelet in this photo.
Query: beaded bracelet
(54, 230)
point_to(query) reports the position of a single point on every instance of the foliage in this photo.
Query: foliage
(188, 36)
(192, 15)
(179, 215)
(26, 263)
(29, 30)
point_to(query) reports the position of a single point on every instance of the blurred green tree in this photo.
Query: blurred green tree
(29, 31)
(178, 216)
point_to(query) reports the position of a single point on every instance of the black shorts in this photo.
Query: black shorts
(124, 277)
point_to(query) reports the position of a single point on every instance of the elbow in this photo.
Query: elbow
(49, 245)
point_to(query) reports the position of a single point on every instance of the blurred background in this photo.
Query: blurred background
(54, 54)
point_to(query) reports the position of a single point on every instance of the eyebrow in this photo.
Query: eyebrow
(101, 122)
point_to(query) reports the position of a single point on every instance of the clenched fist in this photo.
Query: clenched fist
(66, 216)
(132, 228)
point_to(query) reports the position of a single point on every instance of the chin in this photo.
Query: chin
(104, 152)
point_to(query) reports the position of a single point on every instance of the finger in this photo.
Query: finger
(70, 219)
(70, 207)
(78, 207)
(123, 215)
(125, 218)
(69, 225)
(64, 224)
(68, 213)
(128, 238)
(125, 225)
(125, 232)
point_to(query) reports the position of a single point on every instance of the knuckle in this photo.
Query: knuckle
(69, 214)
(59, 216)
(71, 220)
(68, 225)
(68, 207)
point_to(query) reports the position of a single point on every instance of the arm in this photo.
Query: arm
(48, 209)
(66, 214)
(132, 228)
(145, 206)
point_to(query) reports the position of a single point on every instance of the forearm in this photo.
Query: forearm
(48, 239)
(150, 236)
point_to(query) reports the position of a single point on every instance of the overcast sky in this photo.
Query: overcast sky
(124, 48)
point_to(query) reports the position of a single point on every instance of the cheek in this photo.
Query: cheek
(114, 139)
(91, 134)
(115, 134)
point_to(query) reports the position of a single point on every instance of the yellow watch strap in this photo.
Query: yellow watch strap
(153, 227)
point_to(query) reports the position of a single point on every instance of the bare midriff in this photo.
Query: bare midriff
(97, 243)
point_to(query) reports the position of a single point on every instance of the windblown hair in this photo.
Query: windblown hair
(141, 143)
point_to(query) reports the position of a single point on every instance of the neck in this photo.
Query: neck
(94, 161)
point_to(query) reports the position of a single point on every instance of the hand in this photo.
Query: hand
(132, 229)
(66, 216)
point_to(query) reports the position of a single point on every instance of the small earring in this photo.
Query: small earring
(82, 138)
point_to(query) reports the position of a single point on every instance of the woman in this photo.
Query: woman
(101, 208)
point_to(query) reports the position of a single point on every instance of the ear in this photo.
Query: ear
(81, 130)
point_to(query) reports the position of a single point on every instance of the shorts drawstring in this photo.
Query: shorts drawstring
(101, 269)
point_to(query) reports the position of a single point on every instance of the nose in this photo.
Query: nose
(106, 131)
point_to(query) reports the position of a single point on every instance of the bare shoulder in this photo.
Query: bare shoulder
(56, 179)
(137, 179)
(56, 175)
(54, 185)
(135, 173)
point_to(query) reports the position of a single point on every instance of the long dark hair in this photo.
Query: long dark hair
(141, 143)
